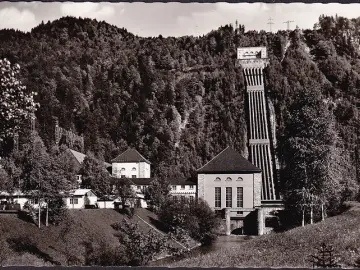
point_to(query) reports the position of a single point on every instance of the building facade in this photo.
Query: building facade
(182, 188)
(231, 185)
(81, 198)
(131, 164)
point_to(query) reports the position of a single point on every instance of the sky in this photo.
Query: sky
(174, 19)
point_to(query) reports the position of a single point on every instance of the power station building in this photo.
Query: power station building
(246, 189)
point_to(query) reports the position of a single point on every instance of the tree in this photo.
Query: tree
(37, 173)
(315, 162)
(158, 192)
(4, 179)
(140, 247)
(196, 218)
(11, 176)
(16, 104)
(325, 257)
(125, 191)
(95, 176)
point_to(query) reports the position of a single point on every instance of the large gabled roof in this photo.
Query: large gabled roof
(130, 155)
(80, 157)
(228, 161)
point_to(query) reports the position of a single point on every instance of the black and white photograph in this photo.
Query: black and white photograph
(180, 134)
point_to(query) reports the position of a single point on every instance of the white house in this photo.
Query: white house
(20, 198)
(80, 198)
(131, 164)
(78, 159)
(182, 188)
(17, 197)
(231, 182)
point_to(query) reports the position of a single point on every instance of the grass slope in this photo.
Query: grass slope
(291, 248)
(55, 244)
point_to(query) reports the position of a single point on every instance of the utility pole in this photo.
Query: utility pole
(270, 23)
(288, 24)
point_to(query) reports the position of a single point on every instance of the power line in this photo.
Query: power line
(270, 23)
(288, 24)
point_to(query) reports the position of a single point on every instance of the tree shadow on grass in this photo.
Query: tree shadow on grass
(158, 225)
(23, 244)
(25, 216)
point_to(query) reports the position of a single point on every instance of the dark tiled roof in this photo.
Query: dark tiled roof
(181, 181)
(147, 181)
(135, 181)
(80, 157)
(130, 155)
(228, 161)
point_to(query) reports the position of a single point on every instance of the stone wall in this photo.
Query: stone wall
(257, 189)
(201, 186)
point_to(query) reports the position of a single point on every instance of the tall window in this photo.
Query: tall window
(173, 187)
(228, 197)
(240, 197)
(191, 187)
(74, 201)
(182, 186)
(218, 197)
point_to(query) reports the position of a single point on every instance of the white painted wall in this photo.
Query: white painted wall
(81, 199)
(209, 182)
(106, 204)
(185, 190)
(131, 168)
(79, 205)
(21, 201)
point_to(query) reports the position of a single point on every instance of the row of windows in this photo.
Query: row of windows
(229, 179)
(183, 187)
(228, 198)
(182, 198)
(123, 169)
(124, 176)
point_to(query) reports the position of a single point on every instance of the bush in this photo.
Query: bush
(104, 255)
(196, 218)
(140, 248)
(58, 211)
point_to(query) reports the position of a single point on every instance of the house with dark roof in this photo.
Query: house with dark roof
(182, 188)
(131, 164)
(232, 184)
(78, 158)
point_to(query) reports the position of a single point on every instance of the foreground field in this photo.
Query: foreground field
(63, 244)
(289, 249)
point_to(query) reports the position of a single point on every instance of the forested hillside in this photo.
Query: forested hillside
(180, 101)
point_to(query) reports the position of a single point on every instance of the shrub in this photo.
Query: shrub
(58, 211)
(140, 248)
(196, 218)
(104, 255)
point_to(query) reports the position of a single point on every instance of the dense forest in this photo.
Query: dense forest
(180, 101)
